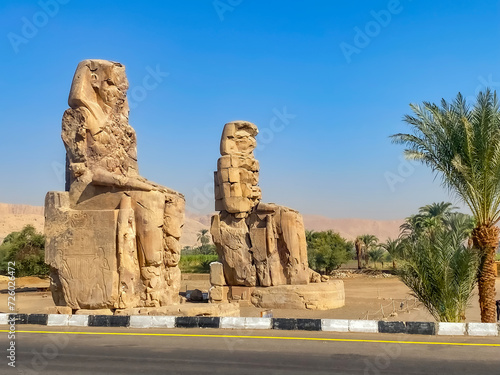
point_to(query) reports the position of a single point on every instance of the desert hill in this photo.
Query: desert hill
(13, 217)
(351, 228)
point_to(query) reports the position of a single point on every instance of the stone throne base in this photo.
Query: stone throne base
(315, 296)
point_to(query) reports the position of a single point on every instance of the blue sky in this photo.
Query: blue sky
(324, 114)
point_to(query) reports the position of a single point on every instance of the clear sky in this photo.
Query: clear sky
(326, 82)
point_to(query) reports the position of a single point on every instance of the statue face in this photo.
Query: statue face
(109, 93)
(109, 82)
(245, 142)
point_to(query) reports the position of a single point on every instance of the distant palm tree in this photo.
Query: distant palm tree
(395, 248)
(369, 241)
(203, 237)
(438, 210)
(359, 246)
(377, 255)
(462, 144)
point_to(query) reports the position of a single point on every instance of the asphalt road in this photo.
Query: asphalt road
(211, 351)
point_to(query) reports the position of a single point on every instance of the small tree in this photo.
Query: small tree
(327, 251)
(27, 250)
(441, 269)
(395, 250)
(377, 255)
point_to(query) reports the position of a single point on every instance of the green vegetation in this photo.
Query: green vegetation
(462, 144)
(364, 244)
(197, 259)
(196, 263)
(26, 249)
(439, 266)
(327, 251)
(205, 248)
(377, 255)
(394, 250)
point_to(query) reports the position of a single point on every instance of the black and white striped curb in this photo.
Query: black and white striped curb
(329, 325)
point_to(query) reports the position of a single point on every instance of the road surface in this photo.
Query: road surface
(95, 351)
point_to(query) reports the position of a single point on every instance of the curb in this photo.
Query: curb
(327, 325)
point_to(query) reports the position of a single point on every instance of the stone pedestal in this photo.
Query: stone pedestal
(321, 296)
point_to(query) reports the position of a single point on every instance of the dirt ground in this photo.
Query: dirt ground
(367, 297)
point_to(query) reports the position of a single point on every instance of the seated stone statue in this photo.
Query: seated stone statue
(112, 236)
(259, 244)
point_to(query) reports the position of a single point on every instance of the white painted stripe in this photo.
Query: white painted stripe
(4, 318)
(335, 325)
(258, 323)
(58, 320)
(366, 326)
(232, 322)
(482, 329)
(78, 320)
(451, 329)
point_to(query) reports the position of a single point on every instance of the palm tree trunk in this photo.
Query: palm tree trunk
(485, 238)
(357, 245)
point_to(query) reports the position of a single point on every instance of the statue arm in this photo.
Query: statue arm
(105, 178)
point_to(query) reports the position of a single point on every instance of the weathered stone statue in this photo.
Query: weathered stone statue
(112, 236)
(260, 244)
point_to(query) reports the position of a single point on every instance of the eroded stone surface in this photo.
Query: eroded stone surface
(260, 244)
(319, 296)
(112, 236)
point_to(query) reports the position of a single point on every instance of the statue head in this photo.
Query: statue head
(237, 177)
(101, 87)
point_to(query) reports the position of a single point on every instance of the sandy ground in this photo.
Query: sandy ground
(366, 297)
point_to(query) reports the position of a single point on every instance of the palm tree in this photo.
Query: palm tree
(358, 244)
(377, 255)
(395, 248)
(462, 144)
(369, 241)
(438, 210)
(202, 237)
(441, 270)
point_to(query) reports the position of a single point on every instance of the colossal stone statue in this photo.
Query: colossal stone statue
(112, 236)
(260, 244)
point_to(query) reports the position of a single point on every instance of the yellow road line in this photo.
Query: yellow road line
(261, 337)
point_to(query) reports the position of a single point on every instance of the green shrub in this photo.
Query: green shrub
(27, 249)
(327, 251)
(441, 269)
(196, 263)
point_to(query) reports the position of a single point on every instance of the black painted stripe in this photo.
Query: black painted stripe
(186, 322)
(18, 318)
(421, 328)
(109, 321)
(284, 323)
(208, 322)
(38, 319)
(309, 324)
(391, 327)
